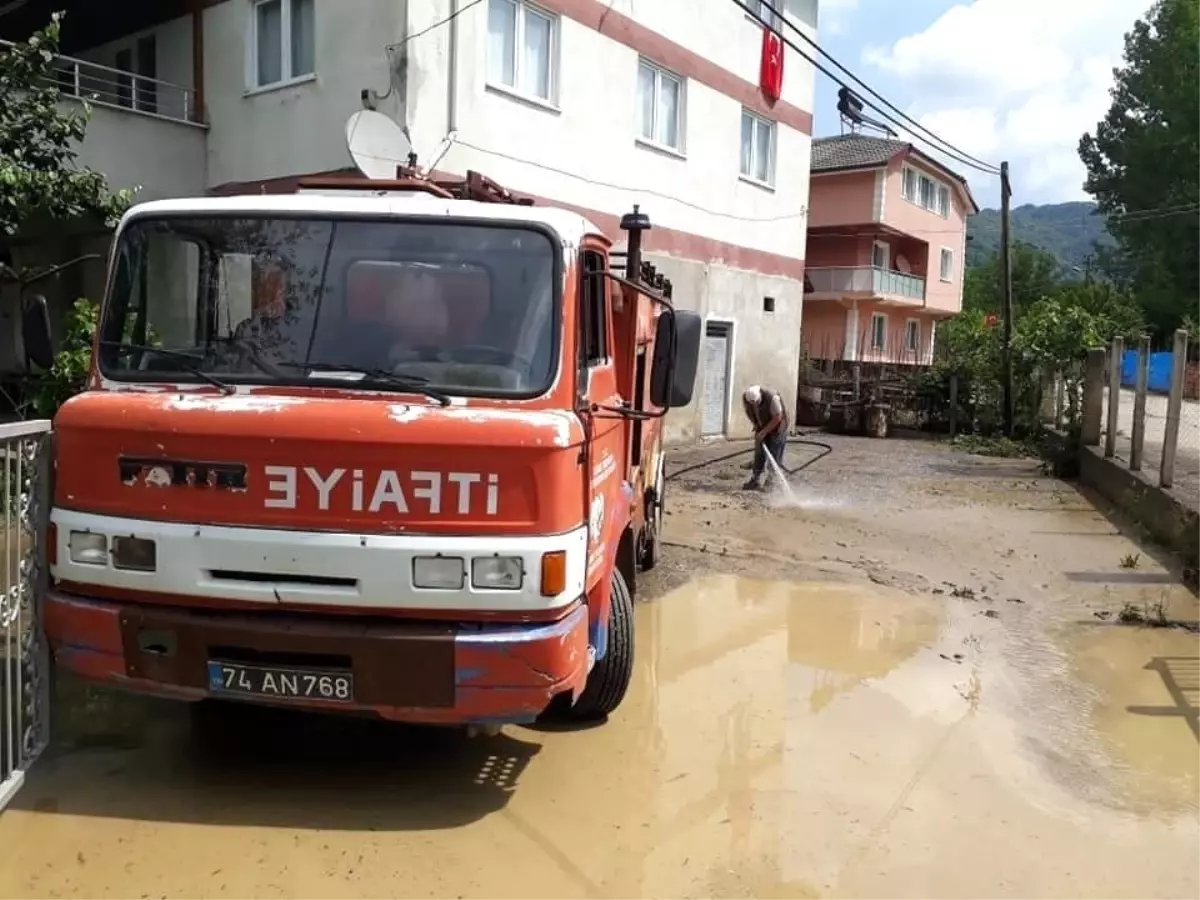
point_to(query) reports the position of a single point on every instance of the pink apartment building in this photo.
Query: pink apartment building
(886, 244)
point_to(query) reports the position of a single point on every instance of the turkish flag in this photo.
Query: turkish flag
(771, 70)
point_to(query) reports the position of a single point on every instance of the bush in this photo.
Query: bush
(68, 375)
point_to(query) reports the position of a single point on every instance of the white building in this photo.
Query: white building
(595, 105)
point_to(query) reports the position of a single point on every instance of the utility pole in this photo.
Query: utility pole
(1007, 305)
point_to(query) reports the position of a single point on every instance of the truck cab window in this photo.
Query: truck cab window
(594, 313)
(465, 308)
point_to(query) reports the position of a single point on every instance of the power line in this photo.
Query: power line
(980, 164)
(953, 152)
(1146, 215)
(632, 190)
(438, 24)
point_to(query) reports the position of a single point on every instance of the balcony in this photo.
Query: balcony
(862, 282)
(142, 131)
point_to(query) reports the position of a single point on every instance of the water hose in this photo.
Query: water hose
(825, 451)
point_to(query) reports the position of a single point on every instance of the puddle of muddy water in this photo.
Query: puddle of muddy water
(779, 739)
(1145, 709)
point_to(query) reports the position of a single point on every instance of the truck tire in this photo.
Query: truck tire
(609, 678)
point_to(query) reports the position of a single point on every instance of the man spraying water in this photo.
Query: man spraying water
(768, 416)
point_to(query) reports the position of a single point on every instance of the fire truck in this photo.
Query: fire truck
(390, 447)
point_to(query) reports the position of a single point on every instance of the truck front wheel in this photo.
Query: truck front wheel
(609, 679)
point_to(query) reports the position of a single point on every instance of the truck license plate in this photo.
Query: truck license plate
(275, 681)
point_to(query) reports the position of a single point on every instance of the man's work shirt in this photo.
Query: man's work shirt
(770, 406)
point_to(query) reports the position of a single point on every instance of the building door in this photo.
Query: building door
(717, 342)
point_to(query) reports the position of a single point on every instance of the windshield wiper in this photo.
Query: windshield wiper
(415, 383)
(192, 364)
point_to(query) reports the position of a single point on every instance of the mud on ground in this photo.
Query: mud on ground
(913, 682)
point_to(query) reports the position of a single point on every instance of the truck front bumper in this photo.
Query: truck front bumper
(405, 670)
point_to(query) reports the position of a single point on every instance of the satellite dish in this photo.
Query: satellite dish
(902, 265)
(377, 145)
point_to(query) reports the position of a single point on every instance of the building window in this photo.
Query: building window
(946, 270)
(925, 192)
(765, 13)
(660, 106)
(758, 148)
(522, 45)
(284, 41)
(878, 331)
(912, 335)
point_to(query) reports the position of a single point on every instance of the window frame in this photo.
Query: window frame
(939, 191)
(914, 346)
(880, 347)
(287, 77)
(521, 8)
(947, 253)
(769, 184)
(766, 14)
(593, 305)
(661, 72)
(887, 254)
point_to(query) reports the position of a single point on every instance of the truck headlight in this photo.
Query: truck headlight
(88, 548)
(136, 554)
(497, 573)
(439, 573)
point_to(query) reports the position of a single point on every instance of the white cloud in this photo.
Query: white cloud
(1013, 79)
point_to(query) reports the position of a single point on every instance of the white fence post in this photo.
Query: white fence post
(1174, 408)
(1138, 438)
(1114, 396)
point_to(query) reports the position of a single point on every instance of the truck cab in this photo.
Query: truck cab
(385, 447)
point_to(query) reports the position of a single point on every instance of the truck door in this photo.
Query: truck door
(599, 387)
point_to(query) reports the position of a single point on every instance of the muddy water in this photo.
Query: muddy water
(779, 740)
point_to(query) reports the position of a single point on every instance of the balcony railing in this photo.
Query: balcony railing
(865, 280)
(95, 83)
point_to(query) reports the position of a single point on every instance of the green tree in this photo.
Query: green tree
(1036, 274)
(41, 180)
(1145, 156)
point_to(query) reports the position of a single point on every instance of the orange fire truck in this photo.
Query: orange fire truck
(389, 447)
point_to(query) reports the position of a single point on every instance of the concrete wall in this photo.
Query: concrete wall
(164, 157)
(765, 344)
(847, 198)
(936, 231)
(298, 127)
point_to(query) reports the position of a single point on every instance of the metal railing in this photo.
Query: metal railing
(865, 280)
(25, 670)
(107, 86)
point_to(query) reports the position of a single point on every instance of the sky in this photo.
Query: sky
(1015, 80)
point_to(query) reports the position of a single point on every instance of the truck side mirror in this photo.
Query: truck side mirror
(35, 331)
(676, 357)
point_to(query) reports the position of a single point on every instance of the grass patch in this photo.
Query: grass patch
(1011, 448)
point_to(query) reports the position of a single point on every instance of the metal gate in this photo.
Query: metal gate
(716, 378)
(25, 674)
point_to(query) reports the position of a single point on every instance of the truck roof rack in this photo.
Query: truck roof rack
(475, 186)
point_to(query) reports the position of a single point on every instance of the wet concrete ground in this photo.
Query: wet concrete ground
(914, 684)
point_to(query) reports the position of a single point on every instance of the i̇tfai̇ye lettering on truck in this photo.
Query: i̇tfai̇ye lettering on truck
(377, 446)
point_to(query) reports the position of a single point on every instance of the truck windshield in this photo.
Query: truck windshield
(459, 308)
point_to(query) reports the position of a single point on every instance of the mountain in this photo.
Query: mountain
(1068, 230)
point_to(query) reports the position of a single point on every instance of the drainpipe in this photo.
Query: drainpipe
(452, 74)
(197, 10)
